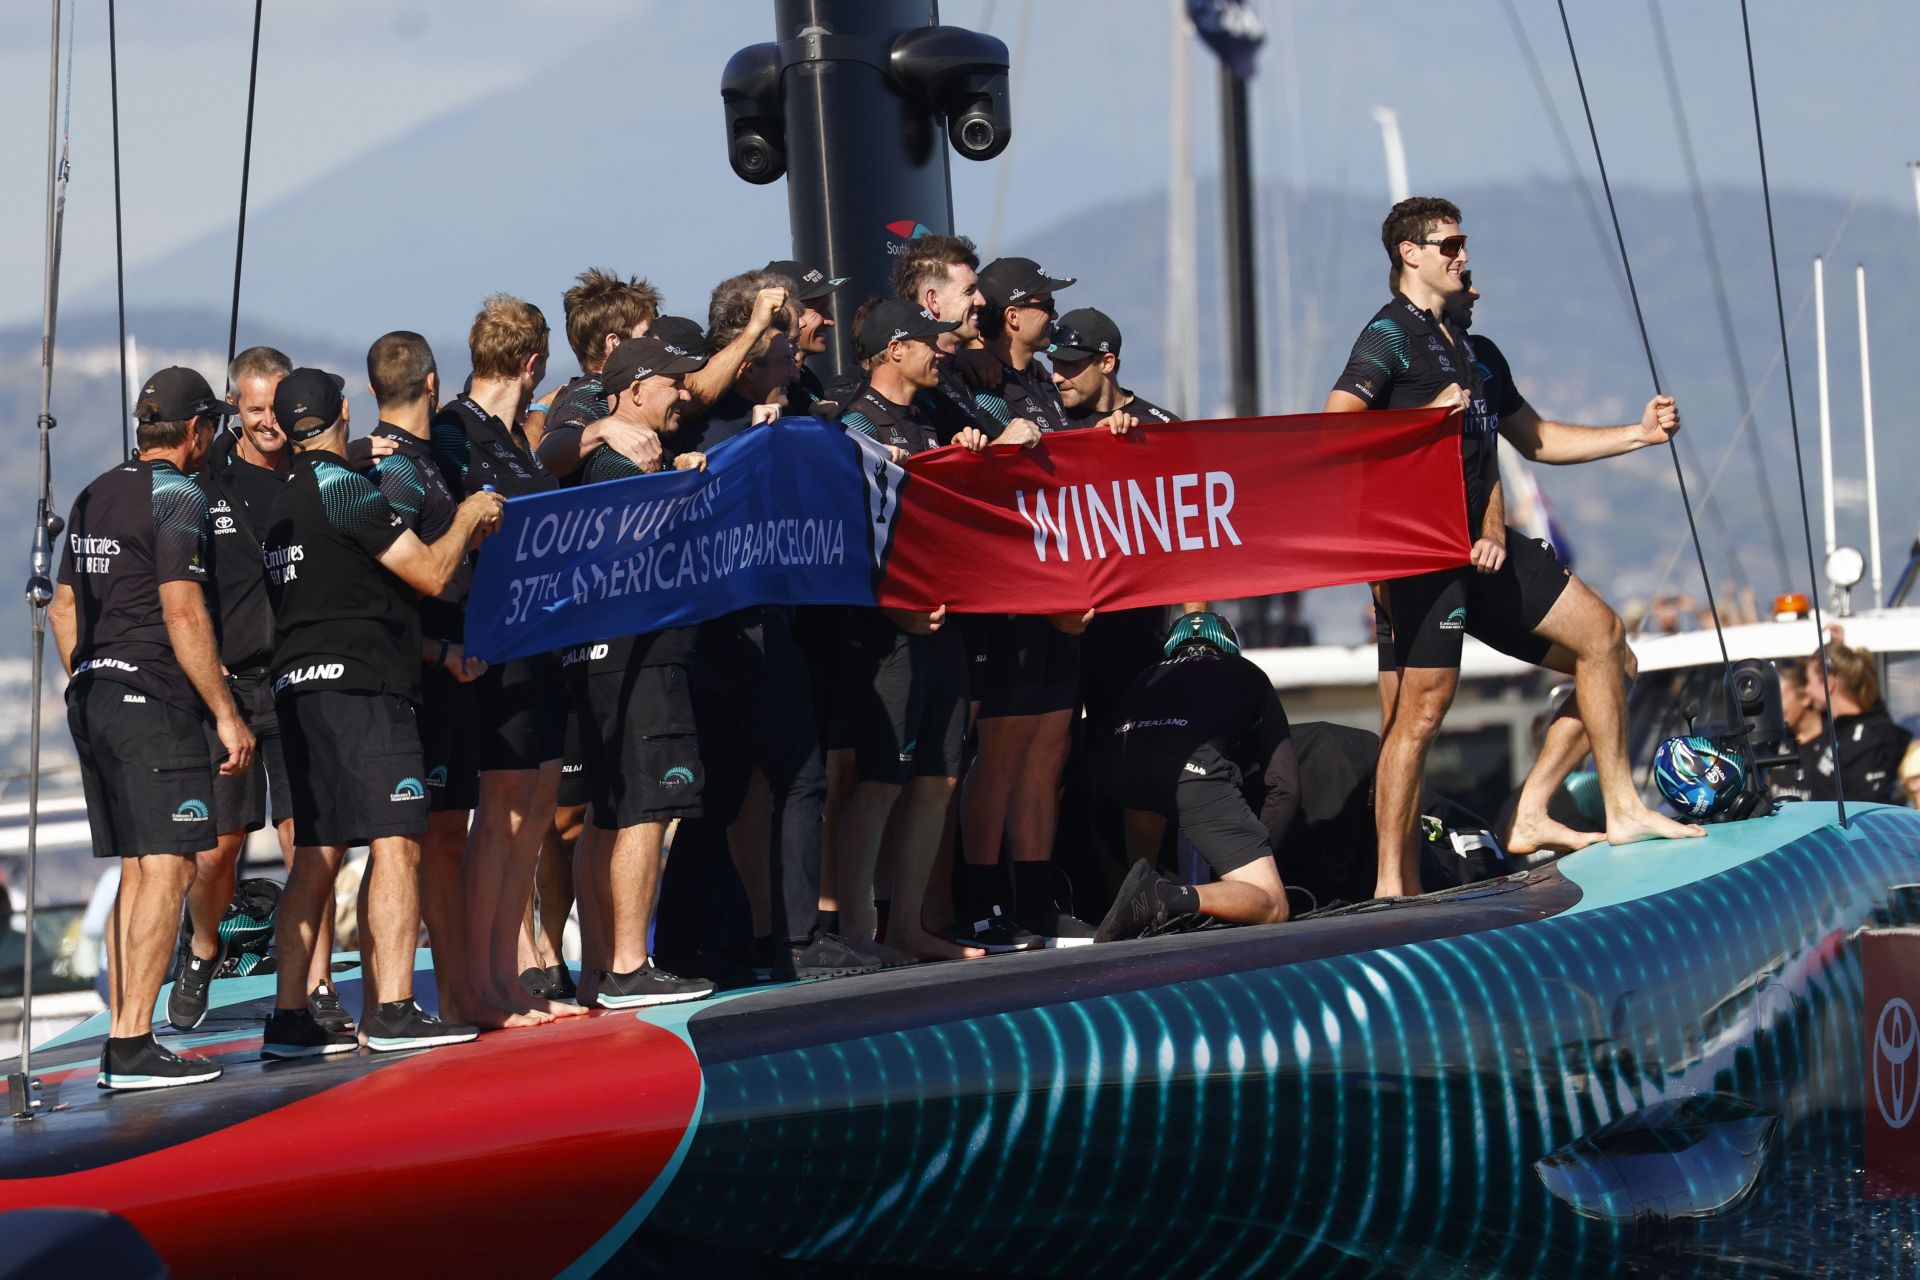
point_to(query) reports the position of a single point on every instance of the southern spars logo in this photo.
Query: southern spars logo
(1455, 621)
(437, 776)
(678, 776)
(190, 811)
(408, 789)
(904, 233)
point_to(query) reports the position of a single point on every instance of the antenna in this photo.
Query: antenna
(1866, 417)
(1826, 412)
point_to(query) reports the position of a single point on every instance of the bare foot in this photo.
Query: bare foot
(931, 946)
(494, 1018)
(889, 957)
(1541, 834)
(560, 1008)
(1645, 824)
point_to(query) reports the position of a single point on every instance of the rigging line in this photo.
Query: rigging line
(1724, 309)
(246, 167)
(1646, 342)
(1793, 415)
(119, 250)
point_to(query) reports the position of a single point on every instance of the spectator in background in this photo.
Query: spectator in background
(1871, 744)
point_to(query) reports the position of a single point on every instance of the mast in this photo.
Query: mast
(1826, 414)
(1866, 416)
(1183, 306)
(1389, 121)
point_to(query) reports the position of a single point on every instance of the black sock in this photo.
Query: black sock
(1179, 899)
(829, 922)
(1032, 887)
(981, 889)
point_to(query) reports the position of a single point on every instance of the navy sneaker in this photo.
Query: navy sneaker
(187, 1004)
(649, 985)
(402, 1024)
(141, 1062)
(295, 1033)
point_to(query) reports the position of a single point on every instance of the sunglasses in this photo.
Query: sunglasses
(1450, 246)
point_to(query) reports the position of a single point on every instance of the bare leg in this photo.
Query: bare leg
(1034, 805)
(913, 833)
(144, 924)
(1534, 831)
(515, 811)
(1005, 742)
(1251, 894)
(1425, 694)
(320, 959)
(212, 891)
(554, 884)
(862, 823)
(304, 903)
(443, 908)
(591, 853)
(634, 874)
(390, 920)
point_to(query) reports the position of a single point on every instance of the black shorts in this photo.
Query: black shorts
(574, 788)
(643, 758)
(1432, 613)
(1203, 793)
(449, 725)
(241, 804)
(145, 770)
(899, 701)
(355, 763)
(523, 713)
(1021, 665)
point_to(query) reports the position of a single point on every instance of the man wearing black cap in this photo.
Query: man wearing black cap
(633, 695)
(899, 708)
(812, 291)
(133, 631)
(243, 473)
(1085, 352)
(346, 665)
(1202, 741)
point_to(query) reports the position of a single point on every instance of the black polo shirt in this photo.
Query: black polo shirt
(952, 409)
(476, 449)
(133, 528)
(414, 486)
(240, 497)
(1203, 698)
(1139, 406)
(904, 426)
(1496, 378)
(659, 648)
(576, 406)
(1402, 360)
(343, 622)
(1024, 393)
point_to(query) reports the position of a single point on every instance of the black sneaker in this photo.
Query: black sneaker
(996, 934)
(1137, 908)
(825, 957)
(1057, 928)
(727, 970)
(402, 1024)
(648, 985)
(141, 1062)
(537, 984)
(187, 1005)
(560, 982)
(295, 1033)
(323, 1002)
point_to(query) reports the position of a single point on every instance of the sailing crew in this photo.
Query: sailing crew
(1203, 742)
(131, 622)
(521, 705)
(1511, 594)
(244, 471)
(346, 667)
(634, 699)
(811, 291)
(940, 274)
(899, 711)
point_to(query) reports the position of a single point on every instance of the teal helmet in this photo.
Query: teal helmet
(1205, 627)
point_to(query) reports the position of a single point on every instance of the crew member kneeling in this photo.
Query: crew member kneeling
(1201, 739)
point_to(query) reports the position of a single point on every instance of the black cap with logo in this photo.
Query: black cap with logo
(638, 359)
(179, 393)
(1006, 281)
(897, 320)
(308, 402)
(1084, 332)
(678, 331)
(813, 283)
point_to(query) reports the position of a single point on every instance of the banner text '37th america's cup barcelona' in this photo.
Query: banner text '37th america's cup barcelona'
(801, 513)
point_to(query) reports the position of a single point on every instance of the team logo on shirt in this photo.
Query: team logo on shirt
(678, 776)
(93, 555)
(437, 776)
(408, 788)
(190, 811)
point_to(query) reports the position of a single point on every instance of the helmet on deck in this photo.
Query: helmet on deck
(1697, 776)
(1205, 627)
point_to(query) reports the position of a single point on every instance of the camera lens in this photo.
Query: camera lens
(976, 133)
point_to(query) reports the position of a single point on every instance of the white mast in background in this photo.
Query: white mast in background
(1389, 123)
(1183, 303)
(1826, 415)
(1866, 415)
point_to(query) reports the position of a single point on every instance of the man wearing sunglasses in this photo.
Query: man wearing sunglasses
(1512, 595)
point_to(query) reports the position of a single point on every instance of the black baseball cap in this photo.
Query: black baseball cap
(179, 393)
(1084, 332)
(678, 331)
(812, 282)
(308, 402)
(1006, 281)
(638, 359)
(897, 320)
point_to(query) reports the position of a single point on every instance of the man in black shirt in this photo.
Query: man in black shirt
(811, 294)
(134, 634)
(940, 274)
(243, 473)
(1202, 741)
(346, 666)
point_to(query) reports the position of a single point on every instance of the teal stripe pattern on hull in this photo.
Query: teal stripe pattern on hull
(1506, 1083)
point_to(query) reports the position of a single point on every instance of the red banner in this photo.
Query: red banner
(1890, 964)
(1195, 511)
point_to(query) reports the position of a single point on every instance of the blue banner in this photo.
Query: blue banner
(798, 512)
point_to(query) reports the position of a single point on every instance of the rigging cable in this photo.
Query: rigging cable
(119, 252)
(1721, 305)
(1793, 418)
(246, 167)
(1646, 343)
